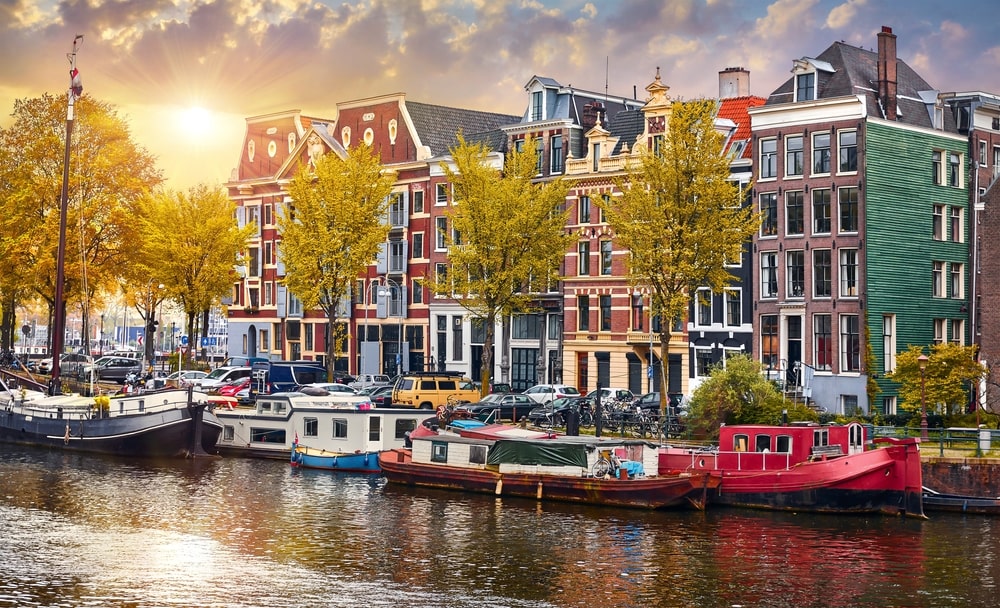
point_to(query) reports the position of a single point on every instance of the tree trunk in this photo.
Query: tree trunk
(664, 369)
(486, 361)
(204, 333)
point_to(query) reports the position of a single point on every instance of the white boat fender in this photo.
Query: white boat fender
(499, 486)
(66, 436)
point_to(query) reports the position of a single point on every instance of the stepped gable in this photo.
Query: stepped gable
(856, 73)
(438, 126)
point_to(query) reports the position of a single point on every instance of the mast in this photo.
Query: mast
(59, 321)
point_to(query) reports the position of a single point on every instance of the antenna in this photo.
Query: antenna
(607, 63)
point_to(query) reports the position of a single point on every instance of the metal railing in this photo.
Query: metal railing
(950, 441)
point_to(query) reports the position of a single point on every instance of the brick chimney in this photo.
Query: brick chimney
(887, 72)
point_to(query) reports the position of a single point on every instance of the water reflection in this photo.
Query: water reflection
(82, 530)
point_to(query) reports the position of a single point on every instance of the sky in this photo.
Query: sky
(186, 74)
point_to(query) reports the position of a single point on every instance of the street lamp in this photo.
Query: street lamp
(922, 359)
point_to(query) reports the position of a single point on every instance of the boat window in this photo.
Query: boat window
(783, 444)
(339, 428)
(310, 427)
(740, 443)
(228, 433)
(404, 426)
(259, 435)
(279, 407)
(821, 437)
(375, 428)
(477, 454)
(263, 407)
(763, 443)
(439, 451)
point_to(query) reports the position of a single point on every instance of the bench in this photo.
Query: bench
(825, 451)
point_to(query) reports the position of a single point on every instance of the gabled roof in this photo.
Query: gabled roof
(735, 109)
(438, 126)
(856, 73)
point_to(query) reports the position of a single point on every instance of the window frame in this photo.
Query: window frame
(821, 155)
(794, 156)
(768, 158)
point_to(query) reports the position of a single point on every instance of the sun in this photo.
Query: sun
(195, 121)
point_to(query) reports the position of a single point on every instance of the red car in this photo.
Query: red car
(230, 390)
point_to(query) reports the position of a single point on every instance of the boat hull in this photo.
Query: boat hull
(885, 480)
(177, 431)
(648, 493)
(959, 503)
(351, 462)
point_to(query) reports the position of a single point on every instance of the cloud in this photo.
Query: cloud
(844, 14)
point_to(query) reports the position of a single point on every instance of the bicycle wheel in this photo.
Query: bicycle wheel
(601, 468)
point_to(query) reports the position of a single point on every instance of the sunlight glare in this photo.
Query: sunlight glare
(196, 122)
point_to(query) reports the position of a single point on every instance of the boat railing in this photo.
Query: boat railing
(74, 407)
(741, 461)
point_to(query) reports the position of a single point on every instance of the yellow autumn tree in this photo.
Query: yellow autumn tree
(681, 218)
(332, 230)
(506, 240)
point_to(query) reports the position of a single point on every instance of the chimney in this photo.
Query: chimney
(734, 82)
(887, 72)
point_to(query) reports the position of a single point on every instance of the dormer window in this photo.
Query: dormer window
(805, 87)
(536, 105)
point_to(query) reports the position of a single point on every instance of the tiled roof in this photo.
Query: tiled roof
(735, 109)
(857, 74)
(439, 126)
(627, 126)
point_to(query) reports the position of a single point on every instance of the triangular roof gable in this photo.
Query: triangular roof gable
(314, 143)
(268, 142)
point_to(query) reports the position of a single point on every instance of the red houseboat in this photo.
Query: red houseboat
(807, 467)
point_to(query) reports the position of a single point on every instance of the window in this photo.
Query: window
(822, 343)
(339, 428)
(418, 201)
(703, 361)
(539, 156)
(526, 326)
(955, 170)
(769, 341)
(769, 213)
(793, 156)
(556, 154)
(310, 427)
(795, 213)
(417, 292)
(583, 258)
(937, 223)
(796, 273)
(821, 211)
(442, 194)
(397, 256)
(605, 312)
(982, 153)
(703, 307)
(848, 209)
(848, 148)
(937, 279)
(397, 209)
(734, 308)
(768, 275)
(936, 167)
(958, 331)
(441, 229)
(938, 331)
(457, 341)
(805, 87)
(768, 158)
(889, 342)
(996, 159)
(583, 312)
(822, 273)
(418, 245)
(850, 343)
(597, 157)
(956, 225)
(583, 210)
(536, 105)
(955, 283)
(606, 257)
(821, 153)
(848, 273)
(441, 274)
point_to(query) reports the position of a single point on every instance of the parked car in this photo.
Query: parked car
(651, 401)
(366, 380)
(113, 369)
(330, 387)
(230, 389)
(508, 406)
(219, 376)
(546, 393)
(282, 376)
(555, 412)
(612, 396)
(70, 364)
(184, 378)
(381, 396)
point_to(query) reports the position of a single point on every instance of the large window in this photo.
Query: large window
(769, 341)
(848, 209)
(848, 148)
(936, 167)
(605, 312)
(822, 343)
(793, 156)
(583, 313)
(805, 87)
(606, 257)
(955, 170)
(822, 273)
(956, 225)
(583, 210)
(768, 274)
(821, 153)
(441, 229)
(769, 213)
(703, 307)
(734, 308)
(795, 213)
(821, 211)
(768, 158)
(441, 194)
(795, 266)
(889, 342)
(958, 331)
(937, 223)
(955, 281)
(848, 273)
(937, 279)
(583, 258)
(536, 105)
(850, 343)
(556, 153)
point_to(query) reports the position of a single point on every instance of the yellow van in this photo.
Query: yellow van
(428, 390)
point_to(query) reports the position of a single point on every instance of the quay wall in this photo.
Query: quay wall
(969, 476)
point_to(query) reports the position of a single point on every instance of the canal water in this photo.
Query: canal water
(80, 530)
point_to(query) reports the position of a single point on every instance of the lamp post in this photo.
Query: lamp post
(922, 359)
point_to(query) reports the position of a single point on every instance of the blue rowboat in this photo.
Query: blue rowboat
(355, 462)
